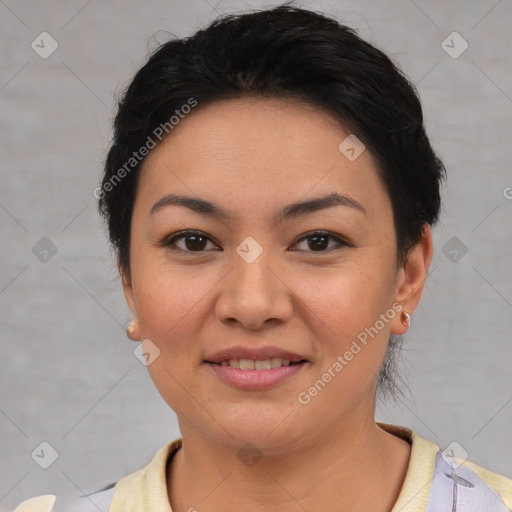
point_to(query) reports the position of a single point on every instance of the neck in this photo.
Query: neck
(332, 474)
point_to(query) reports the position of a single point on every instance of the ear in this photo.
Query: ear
(411, 278)
(127, 289)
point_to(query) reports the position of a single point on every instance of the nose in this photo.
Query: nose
(254, 294)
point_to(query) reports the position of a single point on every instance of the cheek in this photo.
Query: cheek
(172, 302)
(166, 310)
(347, 299)
(170, 305)
(344, 309)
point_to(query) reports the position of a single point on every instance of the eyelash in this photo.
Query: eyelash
(168, 242)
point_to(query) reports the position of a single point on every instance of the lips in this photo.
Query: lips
(244, 355)
(264, 364)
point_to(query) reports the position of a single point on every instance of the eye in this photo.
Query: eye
(318, 241)
(194, 241)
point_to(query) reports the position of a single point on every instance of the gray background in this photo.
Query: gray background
(68, 375)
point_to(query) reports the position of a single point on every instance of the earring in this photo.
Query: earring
(405, 318)
(133, 331)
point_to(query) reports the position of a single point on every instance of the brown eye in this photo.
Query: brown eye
(193, 241)
(318, 241)
(196, 242)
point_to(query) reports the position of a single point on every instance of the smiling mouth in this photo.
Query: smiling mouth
(250, 364)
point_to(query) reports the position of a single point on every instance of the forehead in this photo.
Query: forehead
(255, 151)
(255, 127)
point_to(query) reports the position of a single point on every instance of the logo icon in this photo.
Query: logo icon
(454, 45)
(146, 352)
(44, 45)
(249, 455)
(249, 249)
(44, 250)
(455, 454)
(44, 455)
(351, 147)
(454, 249)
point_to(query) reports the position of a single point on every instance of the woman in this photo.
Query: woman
(270, 193)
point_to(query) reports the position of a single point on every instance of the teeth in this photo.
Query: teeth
(262, 365)
(246, 364)
(275, 362)
(249, 364)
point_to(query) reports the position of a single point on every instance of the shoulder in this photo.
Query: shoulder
(436, 478)
(467, 484)
(499, 483)
(147, 485)
(96, 501)
(38, 504)
(460, 482)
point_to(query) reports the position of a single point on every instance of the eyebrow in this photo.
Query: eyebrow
(290, 211)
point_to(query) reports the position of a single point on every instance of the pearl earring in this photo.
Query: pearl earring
(133, 331)
(405, 318)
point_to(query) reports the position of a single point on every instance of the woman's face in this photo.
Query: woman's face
(252, 280)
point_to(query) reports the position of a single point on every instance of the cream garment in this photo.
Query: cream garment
(146, 490)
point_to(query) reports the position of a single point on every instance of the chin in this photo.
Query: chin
(267, 432)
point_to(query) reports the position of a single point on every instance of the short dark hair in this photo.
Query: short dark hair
(283, 52)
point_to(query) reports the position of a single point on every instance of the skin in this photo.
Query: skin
(252, 157)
